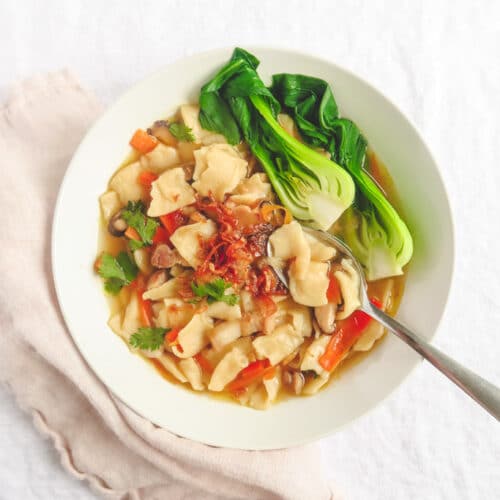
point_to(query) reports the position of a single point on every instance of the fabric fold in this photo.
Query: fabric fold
(99, 439)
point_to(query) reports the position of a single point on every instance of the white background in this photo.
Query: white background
(440, 63)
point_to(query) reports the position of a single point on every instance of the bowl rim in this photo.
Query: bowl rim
(221, 52)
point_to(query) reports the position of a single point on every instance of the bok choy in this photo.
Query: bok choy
(375, 232)
(237, 104)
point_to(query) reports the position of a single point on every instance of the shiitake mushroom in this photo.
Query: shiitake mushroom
(117, 224)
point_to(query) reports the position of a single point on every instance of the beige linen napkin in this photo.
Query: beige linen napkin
(99, 439)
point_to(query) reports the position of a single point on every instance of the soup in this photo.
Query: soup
(187, 222)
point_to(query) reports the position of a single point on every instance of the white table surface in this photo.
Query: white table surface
(439, 62)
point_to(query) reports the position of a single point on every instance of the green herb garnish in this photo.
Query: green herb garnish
(214, 291)
(148, 338)
(117, 271)
(134, 215)
(181, 132)
(236, 103)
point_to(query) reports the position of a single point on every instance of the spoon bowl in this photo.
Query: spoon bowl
(332, 240)
(483, 392)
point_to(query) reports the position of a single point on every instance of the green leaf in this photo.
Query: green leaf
(148, 338)
(109, 267)
(181, 132)
(228, 90)
(374, 230)
(215, 291)
(117, 271)
(314, 188)
(134, 215)
(135, 245)
(113, 285)
(128, 265)
(217, 116)
(309, 101)
(230, 299)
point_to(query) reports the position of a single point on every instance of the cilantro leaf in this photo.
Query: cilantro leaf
(128, 265)
(215, 291)
(230, 299)
(135, 245)
(145, 226)
(117, 271)
(181, 132)
(148, 338)
(113, 285)
(109, 267)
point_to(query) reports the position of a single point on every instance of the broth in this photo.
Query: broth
(394, 286)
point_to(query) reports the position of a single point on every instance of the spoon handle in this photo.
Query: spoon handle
(479, 389)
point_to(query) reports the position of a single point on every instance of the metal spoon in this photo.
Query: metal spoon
(479, 389)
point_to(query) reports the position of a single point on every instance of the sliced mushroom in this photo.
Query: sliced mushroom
(294, 363)
(309, 375)
(165, 257)
(287, 378)
(161, 131)
(157, 279)
(293, 381)
(325, 316)
(117, 224)
(188, 170)
(298, 382)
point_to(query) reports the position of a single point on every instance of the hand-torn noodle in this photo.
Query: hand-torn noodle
(195, 288)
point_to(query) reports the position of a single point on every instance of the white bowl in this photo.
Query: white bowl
(198, 416)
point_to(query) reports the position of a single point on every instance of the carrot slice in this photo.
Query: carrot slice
(254, 369)
(251, 373)
(145, 306)
(161, 236)
(333, 293)
(347, 332)
(205, 365)
(143, 142)
(132, 234)
(97, 263)
(146, 178)
(269, 373)
(172, 335)
(172, 220)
